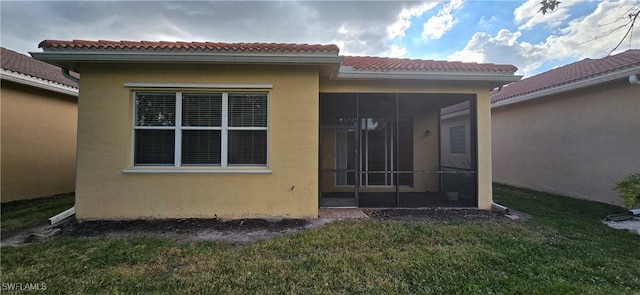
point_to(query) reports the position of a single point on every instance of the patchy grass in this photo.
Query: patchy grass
(563, 249)
(20, 215)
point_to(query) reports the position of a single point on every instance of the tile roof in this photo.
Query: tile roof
(354, 65)
(574, 72)
(26, 65)
(372, 63)
(190, 46)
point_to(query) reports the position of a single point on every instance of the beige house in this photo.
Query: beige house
(574, 130)
(39, 114)
(179, 129)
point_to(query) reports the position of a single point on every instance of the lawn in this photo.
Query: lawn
(563, 249)
(20, 215)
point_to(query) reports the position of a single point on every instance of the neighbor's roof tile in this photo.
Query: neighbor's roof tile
(26, 65)
(372, 63)
(195, 46)
(570, 73)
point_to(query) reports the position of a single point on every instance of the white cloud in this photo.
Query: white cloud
(397, 51)
(590, 37)
(528, 16)
(398, 28)
(580, 38)
(436, 26)
(504, 48)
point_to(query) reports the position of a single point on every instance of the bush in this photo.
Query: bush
(629, 189)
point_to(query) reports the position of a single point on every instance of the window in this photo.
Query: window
(200, 129)
(457, 140)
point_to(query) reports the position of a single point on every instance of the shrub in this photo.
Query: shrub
(629, 189)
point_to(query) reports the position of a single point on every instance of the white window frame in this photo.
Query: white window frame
(224, 166)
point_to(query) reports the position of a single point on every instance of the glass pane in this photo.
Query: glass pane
(154, 109)
(247, 147)
(201, 147)
(247, 109)
(202, 109)
(154, 147)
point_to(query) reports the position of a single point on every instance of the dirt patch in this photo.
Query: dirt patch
(435, 215)
(241, 230)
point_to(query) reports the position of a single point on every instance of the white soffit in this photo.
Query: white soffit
(37, 82)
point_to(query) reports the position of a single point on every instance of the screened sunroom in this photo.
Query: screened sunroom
(397, 150)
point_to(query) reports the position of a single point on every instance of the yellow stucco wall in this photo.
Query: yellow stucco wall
(105, 138)
(578, 143)
(443, 87)
(106, 191)
(38, 142)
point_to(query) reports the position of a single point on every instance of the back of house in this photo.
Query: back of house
(242, 130)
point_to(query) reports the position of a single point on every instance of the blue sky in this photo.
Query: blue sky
(488, 31)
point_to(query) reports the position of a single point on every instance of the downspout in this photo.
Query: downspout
(499, 207)
(63, 215)
(634, 79)
(71, 211)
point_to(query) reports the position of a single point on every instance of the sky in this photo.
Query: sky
(491, 31)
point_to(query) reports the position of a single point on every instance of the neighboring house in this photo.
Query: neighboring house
(39, 116)
(179, 129)
(574, 130)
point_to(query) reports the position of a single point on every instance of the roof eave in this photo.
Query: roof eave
(37, 82)
(615, 75)
(71, 59)
(463, 76)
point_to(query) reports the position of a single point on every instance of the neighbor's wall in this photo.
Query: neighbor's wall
(483, 113)
(105, 148)
(577, 144)
(38, 142)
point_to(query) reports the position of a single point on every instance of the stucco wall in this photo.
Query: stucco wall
(576, 144)
(38, 142)
(105, 139)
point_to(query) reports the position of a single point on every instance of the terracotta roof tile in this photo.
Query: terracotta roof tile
(20, 63)
(403, 64)
(570, 73)
(189, 46)
(358, 63)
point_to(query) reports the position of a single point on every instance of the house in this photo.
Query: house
(39, 116)
(573, 130)
(243, 130)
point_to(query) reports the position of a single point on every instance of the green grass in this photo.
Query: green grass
(20, 215)
(563, 249)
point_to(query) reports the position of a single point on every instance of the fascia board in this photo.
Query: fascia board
(177, 57)
(452, 76)
(37, 82)
(570, 86)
